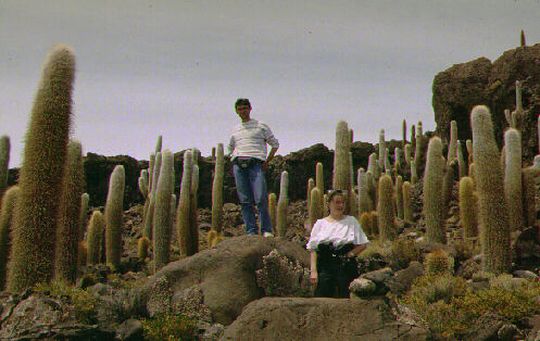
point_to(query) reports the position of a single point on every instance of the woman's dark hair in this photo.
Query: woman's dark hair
(242, 101)
(332, 193)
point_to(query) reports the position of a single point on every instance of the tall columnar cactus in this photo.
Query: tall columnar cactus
(6, 221)
(310, 186)
(184, 204)
(364, 199)
(162, 213)
(404, 133)
(408, 155)
(413, 137)
(272, 208)
(114, 211)
(407, 202)
(143, 183)
(283, 203)
(159, 144)
(452, 145)
(530, 174)
(512, 178)
(4, 164)
(352, 202)
(468, 208)
(217, 190)
(397, 160)
(414, 173)
(469, 146)
(419, 154)
(462, 165)
(433, 201)
(94, 238)
(315, 208)
(45, 150)
(538, 132)
(493, 213)
(319, 177)
(373, 166)
(143, 245)
(67, 232)
(151, 163)
(83, 217)
(341, 164)
(149, 213)
(448, 186)
(193, 223)
(382, 149)
(385, 209)
(399, 196)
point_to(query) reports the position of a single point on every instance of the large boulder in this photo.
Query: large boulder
(459, 88)
(224, 275)
(319, 319)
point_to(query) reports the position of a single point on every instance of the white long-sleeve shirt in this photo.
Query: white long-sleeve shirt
(337, 233)
(249, 139)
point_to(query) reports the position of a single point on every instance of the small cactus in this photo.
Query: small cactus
(315, 211)
(162, 213)
(94, 239)
(433, 201)
(407, 202)
(114, 211)
(512, 178)
(341, 165)
(283, 203)
(439, 262)
(67, 232)
(143, 244)
(385, 209)
(217, 191)
(468, 208)
(272, 208)
(6, 220)
(365, 223)
(4, 164)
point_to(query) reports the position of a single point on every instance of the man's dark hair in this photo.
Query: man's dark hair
(242, 101)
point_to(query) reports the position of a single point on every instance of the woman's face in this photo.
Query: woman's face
(337, 204)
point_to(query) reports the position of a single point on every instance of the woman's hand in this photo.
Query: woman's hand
(313, 277)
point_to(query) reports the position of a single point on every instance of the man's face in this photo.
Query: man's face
(243, 111)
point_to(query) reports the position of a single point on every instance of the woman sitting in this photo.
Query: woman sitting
(334, 243)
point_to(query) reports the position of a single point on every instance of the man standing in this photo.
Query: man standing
(248, 148)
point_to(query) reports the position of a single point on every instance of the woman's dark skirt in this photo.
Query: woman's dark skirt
(335, 271)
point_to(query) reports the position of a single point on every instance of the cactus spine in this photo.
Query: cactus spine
(183, 210)
(94, 239)
(217, 191)
(493, 214)
(341, 165)
(385, 209)
(467, 208)
(67, 232)
(6, 221)
(283, 203)
(114, 210)
(44, 156)
(512, 178)
(4, 164)
(433, 201)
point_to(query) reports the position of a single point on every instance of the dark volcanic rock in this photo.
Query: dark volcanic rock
(458, 89)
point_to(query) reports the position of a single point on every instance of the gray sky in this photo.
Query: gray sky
(175, 68)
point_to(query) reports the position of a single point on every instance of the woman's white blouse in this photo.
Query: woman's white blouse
(339, 233)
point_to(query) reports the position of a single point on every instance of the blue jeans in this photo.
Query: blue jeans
(251, 189)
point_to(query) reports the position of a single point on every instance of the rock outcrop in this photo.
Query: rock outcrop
(319, 319)
(459, 88)
(225, 275)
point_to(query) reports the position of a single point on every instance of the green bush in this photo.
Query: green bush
(170, 327)
(402, 252)
(449, 309)
(84, 303)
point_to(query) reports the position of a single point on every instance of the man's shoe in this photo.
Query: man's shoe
(268, 234)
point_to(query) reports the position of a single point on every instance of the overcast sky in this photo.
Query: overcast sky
(175, 68)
